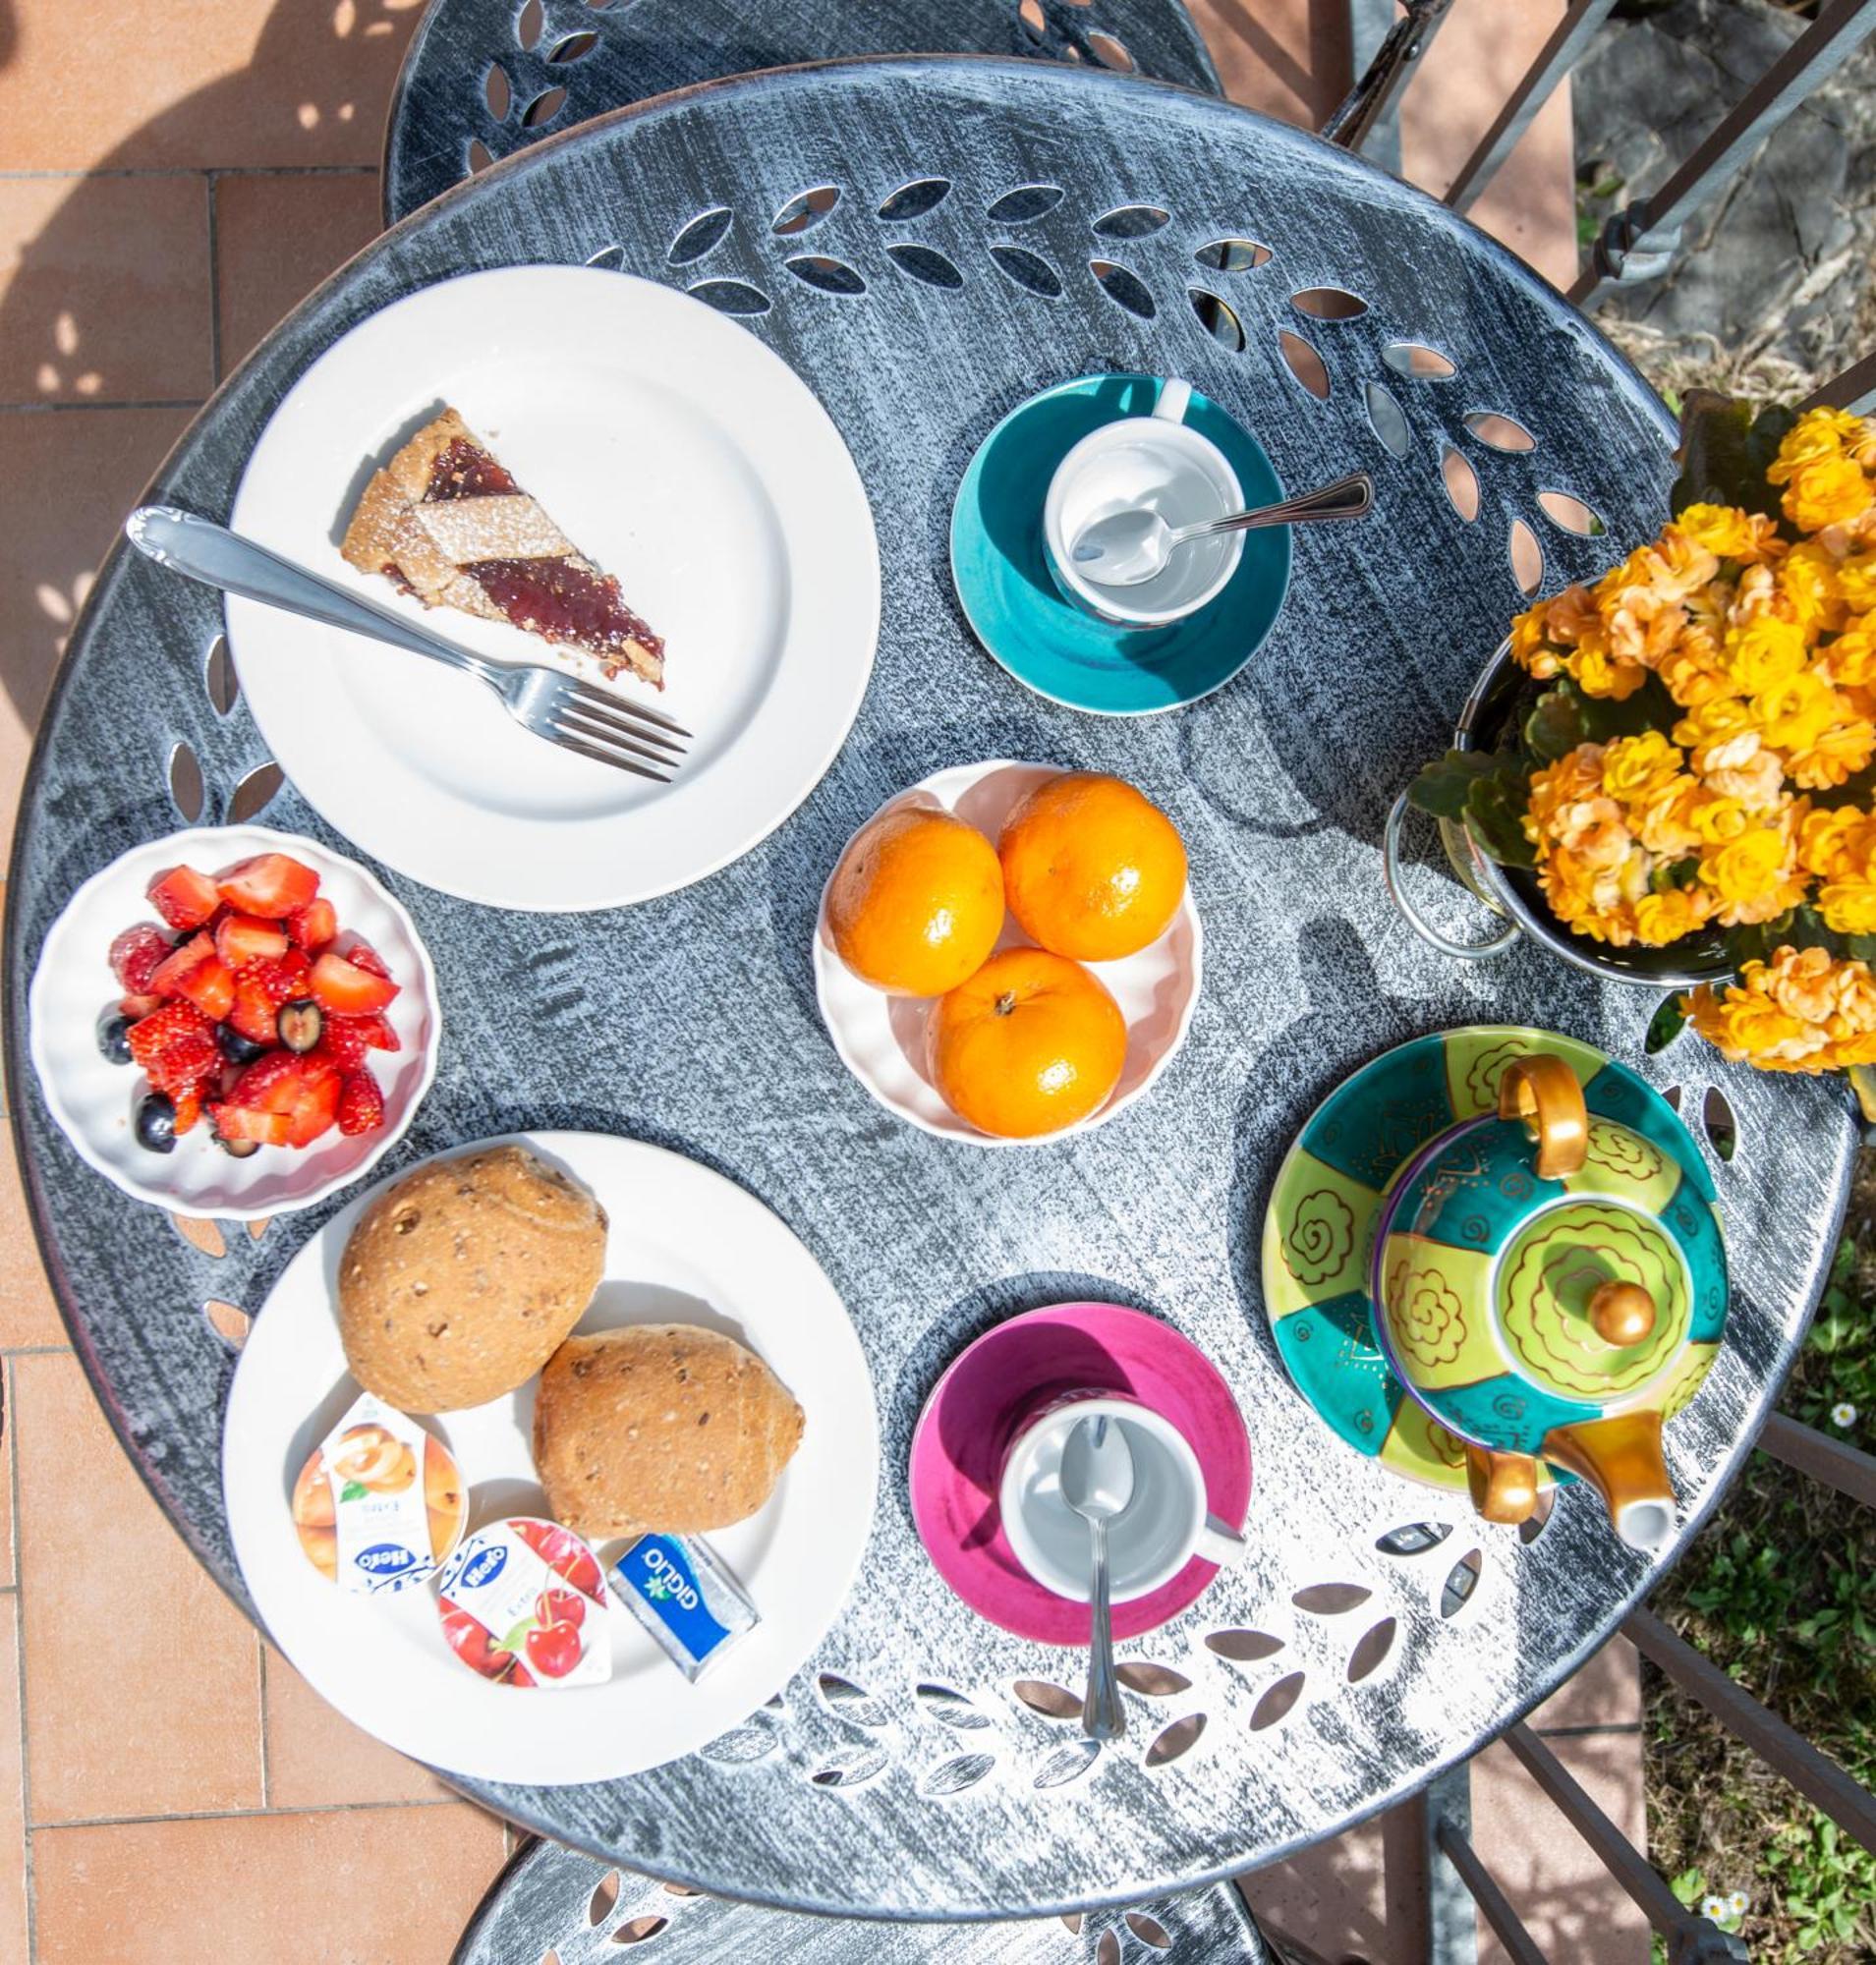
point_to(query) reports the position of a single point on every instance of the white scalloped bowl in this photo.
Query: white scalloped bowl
(882, 1040)
(94, 1100)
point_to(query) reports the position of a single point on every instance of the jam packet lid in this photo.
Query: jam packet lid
(523, 1603)
(380, 1502)
(683, 1594)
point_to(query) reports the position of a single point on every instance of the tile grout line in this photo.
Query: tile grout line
(54, 409)
(215, 288)
(192, 171)
(266, 1776)
(246, 1813)
(1588, 1729)
(12, 1393)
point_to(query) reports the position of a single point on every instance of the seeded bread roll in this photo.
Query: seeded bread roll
(661, 1429)
(460, 1281)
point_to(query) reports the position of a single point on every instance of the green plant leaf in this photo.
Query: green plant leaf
(1495, 815)
(353, 1490)
(1556, 725)
(1714, 460)
(1441, 789)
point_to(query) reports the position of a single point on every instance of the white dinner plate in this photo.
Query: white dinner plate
(686, 1245)
(884, 1040)
(672, 448)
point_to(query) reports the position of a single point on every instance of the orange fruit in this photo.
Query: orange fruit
(1091, 868)
(1030, 1044)
(917, 901)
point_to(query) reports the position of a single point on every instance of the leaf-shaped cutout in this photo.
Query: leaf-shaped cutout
(576, 47)
(550, 1957)
(1667, 1024)
(1388, 418)
(1572, 515)
(1231, 255)
(1303, 362)
(1152, 1681)
(1067, 1764)
(1071, 1922)
(1218, 317)
(1501, 433)
(1277, 1701)
(206, 1236)
(826, 275)
(1024, 204)
(1178, 1738)
(702, 235)
(675, 1889)
(942, 1702)
(1415, 359)
(1052, 1702)
(1149, 1930)
(739, 1748)
(497, 91)
(804, 210)
(852, 1702)
(256, 792)
(257, 1228)
(1244, 1647)
(1413, 1538)
(731, 296)
(1108, 1949)
(636, 1929)
(1331, 1599)
(1462, 482)
(1371, 1649)
(608, 258)
(605, 1894)
(1673, 1096)
(1526, 556)
(852, 1769)
(1126, 289)
(1461, 1580)
(1329, 304)
(913, 200)
(1017, 263)
(544, 108)
(186, 788)
(228, 1321)
(1538, 1520)
(476, 156)
(530, 23)
(1131, 221)
(1029, 13)
(1716, 1118)
(1111, 51)
(925, 263)
(954, 1776)
(219, 678)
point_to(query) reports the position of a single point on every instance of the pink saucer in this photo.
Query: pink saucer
(968, 1422)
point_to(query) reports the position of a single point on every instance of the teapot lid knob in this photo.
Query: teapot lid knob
(1623, 1313)
(1546, 1094)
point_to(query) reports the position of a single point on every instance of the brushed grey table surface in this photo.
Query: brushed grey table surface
(913, 1767)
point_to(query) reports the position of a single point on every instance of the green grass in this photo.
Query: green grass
(1780, 1592)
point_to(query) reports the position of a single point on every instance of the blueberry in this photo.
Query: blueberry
(299, 1025)
(113, 1035)
(156, 1123)
(235, 1047)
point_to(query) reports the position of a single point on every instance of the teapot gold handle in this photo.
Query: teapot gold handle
(1545, 1094)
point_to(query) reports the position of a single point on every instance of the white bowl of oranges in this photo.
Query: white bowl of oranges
(1009, 953)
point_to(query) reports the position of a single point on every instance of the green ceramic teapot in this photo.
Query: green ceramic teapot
(1537, 1279)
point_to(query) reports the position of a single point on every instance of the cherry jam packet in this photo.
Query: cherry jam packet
(523, 1603)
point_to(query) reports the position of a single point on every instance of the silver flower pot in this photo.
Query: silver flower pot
(1514, 894)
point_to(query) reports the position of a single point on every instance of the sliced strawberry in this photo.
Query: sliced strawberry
(347, 1041)
(137, 1007)
(242, 1122)
(196, 972)
(376, 1033)
(149, 1036)
(186, 1065)
(305, 1090)
(345, 989)
(244, 939)
(314, 925)
(137, 954)
(271, 884)
(184, 897)
(254, 1013)
(187, 1108)
(360, 1104)
(362, 954)
(166, 979)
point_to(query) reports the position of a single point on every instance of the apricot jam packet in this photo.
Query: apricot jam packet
(379, 1503)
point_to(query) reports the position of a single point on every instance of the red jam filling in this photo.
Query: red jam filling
(563, 603)
(465, 469)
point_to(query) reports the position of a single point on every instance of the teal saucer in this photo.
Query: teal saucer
(1014, 606)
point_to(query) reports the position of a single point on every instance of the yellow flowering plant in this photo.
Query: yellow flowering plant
(1691, 762)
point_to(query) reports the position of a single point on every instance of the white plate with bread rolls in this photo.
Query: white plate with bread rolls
(702, 1378)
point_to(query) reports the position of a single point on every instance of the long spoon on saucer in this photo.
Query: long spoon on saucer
(1097, 1482)
(1128, 547)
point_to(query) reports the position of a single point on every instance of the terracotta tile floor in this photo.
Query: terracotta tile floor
(172, 179)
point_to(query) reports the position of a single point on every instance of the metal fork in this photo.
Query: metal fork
(545, 702)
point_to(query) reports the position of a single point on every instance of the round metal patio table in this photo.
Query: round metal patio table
(914, 1769)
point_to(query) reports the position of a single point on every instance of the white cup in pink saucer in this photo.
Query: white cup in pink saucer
(1162, 1526)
